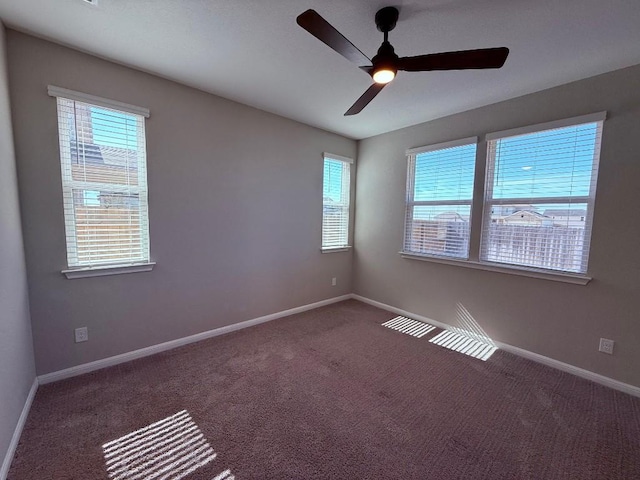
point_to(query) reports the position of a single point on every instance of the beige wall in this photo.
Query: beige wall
(558, 320)
(235, 207)
(17, 370)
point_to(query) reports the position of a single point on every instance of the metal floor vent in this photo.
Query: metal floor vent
(409, 326)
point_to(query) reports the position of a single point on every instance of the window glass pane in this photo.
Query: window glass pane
(332, 190)
(114, 129)
(439, 201)
(553, 163)
(438, 230)
(551, 236)
(103, 145)
(445, 174)
(554, 174)
(103, 163)
(335, 203)
(109, 231)
(91, 198)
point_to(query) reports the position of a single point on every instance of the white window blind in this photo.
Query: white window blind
(439, 194)
(336, 189)
(540, 193)
(104, 183)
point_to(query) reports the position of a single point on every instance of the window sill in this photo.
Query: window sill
(336, 249)
(74, 273)
(524, 272)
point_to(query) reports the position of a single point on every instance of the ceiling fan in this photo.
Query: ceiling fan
(385, 65)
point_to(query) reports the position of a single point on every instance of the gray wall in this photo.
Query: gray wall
(235, 207)
(557, 320)
(17, 370)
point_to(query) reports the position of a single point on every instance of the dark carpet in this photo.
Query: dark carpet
(328, 394)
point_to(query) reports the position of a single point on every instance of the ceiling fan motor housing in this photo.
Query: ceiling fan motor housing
(386, 19)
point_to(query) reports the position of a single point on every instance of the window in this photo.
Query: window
(439, 195)
(104, 180)
(537, 207)
(539, 195)
(336, 192)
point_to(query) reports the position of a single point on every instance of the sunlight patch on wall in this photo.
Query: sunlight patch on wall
(409, 326)
(169, 449)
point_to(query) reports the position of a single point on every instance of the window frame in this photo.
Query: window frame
(410, 203)
(75, 269)
(589, 200)
(349, 162)
(480, 206)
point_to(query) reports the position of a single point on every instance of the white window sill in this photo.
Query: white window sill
(74, 273)
(521, 271)
(336, 249)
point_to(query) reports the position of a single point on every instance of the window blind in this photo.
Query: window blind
(104, 183)
(336, 188)
(540, 193)
(439, 194)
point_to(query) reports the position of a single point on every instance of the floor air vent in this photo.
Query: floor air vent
(409, 326)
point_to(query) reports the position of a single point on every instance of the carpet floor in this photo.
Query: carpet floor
(328, 393)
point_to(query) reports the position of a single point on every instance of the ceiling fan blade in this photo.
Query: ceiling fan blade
(317, 26)
(463, 60)
(364, 100)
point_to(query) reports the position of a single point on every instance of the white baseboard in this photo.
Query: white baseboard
(15, 439)
(550, 362)
(162, 347)
(144, 352)
(577, 371)
(399, 311)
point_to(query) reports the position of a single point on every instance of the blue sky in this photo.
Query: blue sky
(114, 129)
(445, 174)
(553, 163)
(332, 179)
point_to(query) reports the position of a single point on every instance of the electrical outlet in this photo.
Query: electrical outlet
(334, 281)
(82, 334)
(606, 346)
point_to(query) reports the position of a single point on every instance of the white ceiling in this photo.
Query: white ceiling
(252, 51)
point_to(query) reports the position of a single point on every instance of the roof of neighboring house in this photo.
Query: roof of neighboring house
(102, 154)
(124, 157)
(450, 216)
(521, 206)
(521, 213)
(560, 212)
(86, 152)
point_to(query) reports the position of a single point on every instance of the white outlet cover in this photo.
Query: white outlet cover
(606, 346)
(82, 334)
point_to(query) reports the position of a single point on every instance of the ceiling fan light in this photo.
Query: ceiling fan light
(383, 75)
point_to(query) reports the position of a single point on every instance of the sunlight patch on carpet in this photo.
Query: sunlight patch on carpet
(226, 475)
(409, 326)
(169, 449)
(464, 344)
